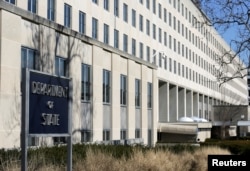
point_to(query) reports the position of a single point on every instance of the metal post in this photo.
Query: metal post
(24, 120)
(69, 142)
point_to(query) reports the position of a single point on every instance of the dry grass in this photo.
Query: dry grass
(150, 160)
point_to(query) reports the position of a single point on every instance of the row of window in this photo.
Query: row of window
(175, 45)
(29, 61)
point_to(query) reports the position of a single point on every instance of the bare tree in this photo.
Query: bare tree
(224, 15)
(226, 116)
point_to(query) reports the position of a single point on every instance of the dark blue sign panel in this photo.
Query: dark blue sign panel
(48, 104)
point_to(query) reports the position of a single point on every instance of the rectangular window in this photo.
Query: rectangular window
(170, 19)
(106, 34)
(165, 39)
(170, 42)
(28, 58)
(125, 43)
(174, 66)
(141, 50)
(148, 4)
(150, 95)
(137, 133)
(32, 6)
(82, 22)
(67, 15)
(123, 134)
(133, 18)
(154, 6)
(148, 27)
(154, 31)
(106, 86)
(125, 12)
(86, 136)
(159, 10)
(123, 91)
(160, 58)
(60, 66)
(141, 22)
(106, 135)
(94, 28)
(106, 4)
(95, 1)
(170, 65)
(148, 53)
(134, 47)
(160, 35)
(137, 93)
(116, 38)
(116, 8)
(165, 15)
(51, 10)
(86, 83)
(11, 1)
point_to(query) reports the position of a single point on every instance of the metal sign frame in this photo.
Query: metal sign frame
(25, 133)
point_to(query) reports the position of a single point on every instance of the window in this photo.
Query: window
(86, 83)
(160, 58)
(133, 18)
(159, 10)
(165, 15)
(116, 38)
(149, 95)
(125, 12)
(106, 86)
(94, 28)
(125, 43)
(60, 66)
(106, 4)
(95, 1)
(11, 1)
(123, 91)
(82, 22)
(154, 31)
(51, 10)
(148, 4)
(137, 133)
(141, 22)
(148, 27)
(170, 64)
(165, 38)
(148, 53)
(141, 50)
(32, 5)
(170, 19)
(170, 42)
(116, 8)
(160, 35)
(59, 140)
(123, 134)
(106, 135)
(137, 93)
(67, 15)
(134, 47)
(154, 6)
(28, 58)
(86, 136)
(106, 34)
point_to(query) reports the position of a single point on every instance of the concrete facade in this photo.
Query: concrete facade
(163, 47)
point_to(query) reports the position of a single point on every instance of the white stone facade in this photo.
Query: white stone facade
(176, 59)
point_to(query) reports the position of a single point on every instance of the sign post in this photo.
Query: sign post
(46, 110)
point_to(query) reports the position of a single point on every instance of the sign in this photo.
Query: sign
(46, 110)
(48, 104)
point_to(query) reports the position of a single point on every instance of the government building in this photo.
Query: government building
(139, 69)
